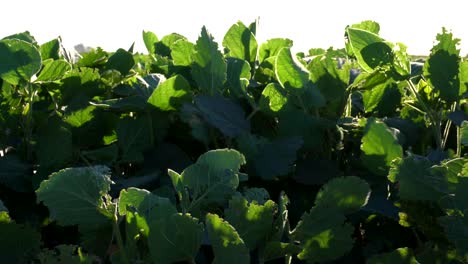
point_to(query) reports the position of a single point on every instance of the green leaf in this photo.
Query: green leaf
(75, 196)
(104, 155)
(164, 46)
(328, 77)
(271, 47)
(65, 254)
(259, 195)
(20, 60)
(379, 147)
(15, 173)
(464, 133)
(134, 136)
(18, 243)
(227, 245)
(252, 221)
(80, 117)
(171, 94)
(214, 178)
(346, 194)
(121, 61)
(51, 49)
(370, 50)
(399, 255)
(443, 66)
(209, 66)
(182, 52)
(273, 99)
(368, 25)
(93, 58)
(238, 76)
(276, 249)
(24, 36)
(323, 235)
(149, 38)
(415, 180)
(383, 98)
(456, 229)
(53, 70)
(176, 238)
(241, 43)
(224, 114)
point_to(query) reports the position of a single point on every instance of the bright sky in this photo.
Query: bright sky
(310, 24)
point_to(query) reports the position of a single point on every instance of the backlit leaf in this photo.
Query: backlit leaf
(171, 94)
(20, 60)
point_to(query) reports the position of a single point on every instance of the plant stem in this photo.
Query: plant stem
(118, 236)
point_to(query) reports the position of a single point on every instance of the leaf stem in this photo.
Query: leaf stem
(118, 236)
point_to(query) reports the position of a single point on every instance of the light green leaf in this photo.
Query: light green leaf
(53, 70)
(176, 238)
(228, 247)
(209, 67)
(399, 255)
(75, 196)
(252, 221)
(121, 61)
(20, 60)
(271, 48)
(383, 98)
(80, 117)
(323, 235)
(368, 25)
(214, 178)
(51, 49)
(415, 180)
(164, 46)
(171, 94)
(182, 52)
(379, 147)
(149, 38)
(346, 194)
(370, 50)
(273, 98)
(241, 43)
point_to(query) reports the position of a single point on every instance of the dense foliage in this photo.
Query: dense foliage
(245, 153)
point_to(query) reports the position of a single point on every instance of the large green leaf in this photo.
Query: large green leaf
(20, 60)
(273, 99)
(464, 133)
(241, 43)
(443, 66)
(227, 245)
(323, 235)
(121, 61)
(224, 114)
(271, 47)
(383, 98)
(53, 70)
(415, 180)
(379, 147)
(346, 194)
(456, 229)
(238, 76)
(209, 66)
(18, 243)
(15, 173)
(182, 51)
(149, 38)
(80, 117)
(213, 179)
(51, 49)
(370, 50)
(134, 136)
(171, 94)
(77, 196)
(164, 46)
(399, 255)
(175, 238)
(252, 221)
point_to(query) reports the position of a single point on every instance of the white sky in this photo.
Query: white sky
(113, 24)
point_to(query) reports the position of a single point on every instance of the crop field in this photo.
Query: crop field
(234, 152)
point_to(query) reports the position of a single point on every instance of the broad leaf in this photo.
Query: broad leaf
(252, 221)
(456, 229)
(121, 61)
(346, 194)
(182, 52)
(238, 76)
(241, 43)
(224, 114)
(164, 46)
(134, 136)
(400, 255)
(18, 243)
(15, 173)
(51, 49)
(20, 60)
(149, 38)
(175, 238)
(171, 94)
(53, 70)
(75, 196)
(80, 117)
(271, 47)
(379, 147)
(209, 67)
(464, 133)
(227, 245)
(323, 235)
(273, 99)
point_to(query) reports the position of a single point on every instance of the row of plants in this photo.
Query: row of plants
(235, 153)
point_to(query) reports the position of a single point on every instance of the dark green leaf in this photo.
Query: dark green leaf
(346, 194)
(93, 58)
(24, 36)
(121, 61)
(464, 133)
(171, 94)
(238, 76)
(379, 147)
(456, 229)
(316, 172)
(241, 43)
(18, 243)
(400, 255)
(20, 60)
(176, 238)
(134, 136)
(298, 124)
(228, 247)
(104, 155)
(15, 173)
(76, 196)
(223, 114)
(65, 254)
(276, 249)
